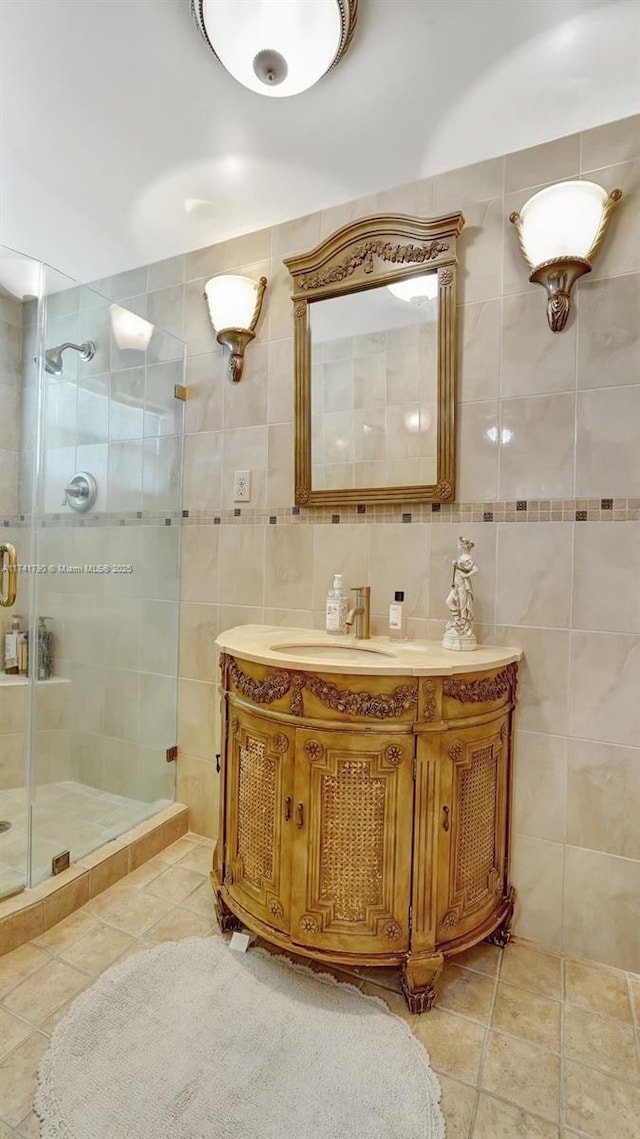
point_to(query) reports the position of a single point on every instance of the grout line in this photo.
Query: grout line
(485, 1045)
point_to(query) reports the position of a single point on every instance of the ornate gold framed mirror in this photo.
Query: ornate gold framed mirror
(375, 362)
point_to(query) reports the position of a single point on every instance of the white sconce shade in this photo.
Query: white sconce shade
(130, 330)
(416, 290)
(560, 230)
(234, 309)
(276, 47)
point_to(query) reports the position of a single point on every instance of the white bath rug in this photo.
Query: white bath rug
(191, 1041)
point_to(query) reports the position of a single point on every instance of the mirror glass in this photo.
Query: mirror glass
(374, 386)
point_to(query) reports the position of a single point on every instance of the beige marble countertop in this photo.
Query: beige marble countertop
(312, 650)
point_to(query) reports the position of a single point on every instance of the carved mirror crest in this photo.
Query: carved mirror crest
(375, 362)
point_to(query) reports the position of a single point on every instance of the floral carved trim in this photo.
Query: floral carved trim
(456, 751)
(380, 706)
(275, 908)
(444, 490)
(297, 701)
(235, 724)
(429, 690)
(300, 308)
(450, 919)
(273, 687)
(445, 276)
(363, 257)
(392, 930)
(280, 743)
(302, 495)
(482, 690)
(313, 749)
(309, 923)
(394, 754)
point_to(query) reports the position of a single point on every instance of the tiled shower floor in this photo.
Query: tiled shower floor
(527, 1045)
(66, 816)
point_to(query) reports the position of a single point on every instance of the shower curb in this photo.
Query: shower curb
(27, 915)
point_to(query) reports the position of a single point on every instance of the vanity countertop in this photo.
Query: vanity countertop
(312, 650)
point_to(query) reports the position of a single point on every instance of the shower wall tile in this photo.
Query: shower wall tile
(551, 162)
(605, 682)
(540, 785)
(608, 343)
(537, 868)
(529, 429)
(612, 886)
(534, 362)
(603, 797)
(606, 570)
(534, 574)
(608, 442)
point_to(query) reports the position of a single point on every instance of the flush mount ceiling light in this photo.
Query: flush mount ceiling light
(277, 47)
(560, 230)
(234, 308)
(416, 290)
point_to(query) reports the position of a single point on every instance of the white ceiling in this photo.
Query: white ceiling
(114, 114)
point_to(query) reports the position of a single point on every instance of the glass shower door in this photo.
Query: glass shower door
(20, 283)
(107, 547)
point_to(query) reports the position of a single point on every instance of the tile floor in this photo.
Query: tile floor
(67, 816)
(526, 1044)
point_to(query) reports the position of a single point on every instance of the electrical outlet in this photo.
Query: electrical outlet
(242, 486)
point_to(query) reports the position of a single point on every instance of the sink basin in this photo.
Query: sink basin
(323, 651)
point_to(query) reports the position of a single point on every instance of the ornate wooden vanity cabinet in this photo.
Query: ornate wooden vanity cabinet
(364, 819)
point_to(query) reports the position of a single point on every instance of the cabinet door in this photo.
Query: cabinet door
(472, 826)
(353, 806)
(259, 807)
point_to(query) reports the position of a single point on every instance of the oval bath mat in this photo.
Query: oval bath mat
(192, 1041)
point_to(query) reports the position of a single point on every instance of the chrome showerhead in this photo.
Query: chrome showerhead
(53, 356)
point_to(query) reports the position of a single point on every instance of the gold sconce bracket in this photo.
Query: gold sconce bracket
(559, 274)
(236, 339)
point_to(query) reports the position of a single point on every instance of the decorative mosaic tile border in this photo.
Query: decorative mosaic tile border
(99, 519)
(531, 510)
(523, 510)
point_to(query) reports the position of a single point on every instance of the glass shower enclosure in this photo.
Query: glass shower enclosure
(90, 509)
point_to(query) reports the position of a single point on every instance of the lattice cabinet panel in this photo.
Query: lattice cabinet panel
(472, 826)
(352, 851)
(259, 810)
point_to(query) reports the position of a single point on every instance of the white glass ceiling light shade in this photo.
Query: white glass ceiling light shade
(416, 290)
(130, 330)
(560, 230)
(234, 309)
(277, 47)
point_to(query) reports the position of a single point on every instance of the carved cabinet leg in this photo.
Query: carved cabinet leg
(418, 979)
(501, 935)
(227, 920)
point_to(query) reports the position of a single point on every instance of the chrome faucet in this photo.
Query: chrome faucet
(359, 615)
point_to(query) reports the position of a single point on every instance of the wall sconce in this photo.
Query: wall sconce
(234, 309)
(130, 331)
(560, 230)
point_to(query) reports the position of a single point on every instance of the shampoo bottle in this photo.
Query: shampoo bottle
(397, 619)
(11, 645)
(337, 607)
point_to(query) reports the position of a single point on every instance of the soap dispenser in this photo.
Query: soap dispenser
(397, 619)
(337, 607)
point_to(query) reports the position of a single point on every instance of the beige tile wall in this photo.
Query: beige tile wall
(540, 416)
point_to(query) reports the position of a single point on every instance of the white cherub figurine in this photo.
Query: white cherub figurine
(458, 633)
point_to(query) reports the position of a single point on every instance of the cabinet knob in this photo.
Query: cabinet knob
(300, 811)
(445, 818)
(287, 808)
